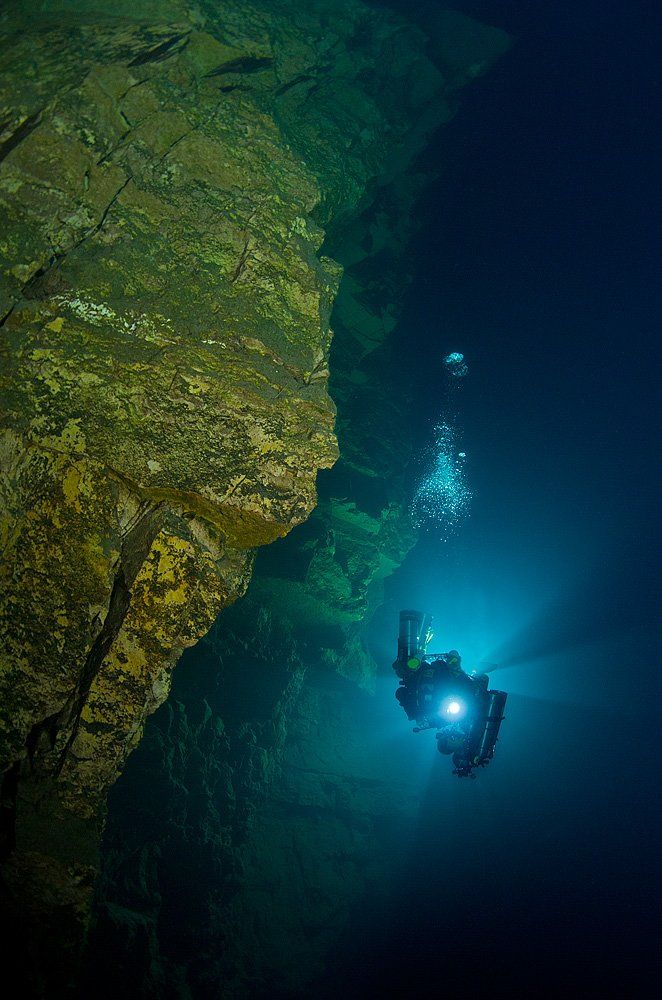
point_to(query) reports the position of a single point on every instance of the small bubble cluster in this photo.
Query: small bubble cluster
(456, 365)
(443, 498)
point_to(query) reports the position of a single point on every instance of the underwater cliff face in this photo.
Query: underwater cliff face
(169, 172)
(257, 814)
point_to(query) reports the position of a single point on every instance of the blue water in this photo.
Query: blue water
(539, 261)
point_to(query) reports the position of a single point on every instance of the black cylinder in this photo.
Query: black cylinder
(493, 722)
(412, 637)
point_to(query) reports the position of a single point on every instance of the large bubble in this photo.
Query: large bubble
(456, 365)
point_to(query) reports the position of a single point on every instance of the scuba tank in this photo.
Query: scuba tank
(493, 721)
(414, 634)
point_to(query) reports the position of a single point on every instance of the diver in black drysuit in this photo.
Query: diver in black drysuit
(423, 688)
(436, 693)
(423, 685)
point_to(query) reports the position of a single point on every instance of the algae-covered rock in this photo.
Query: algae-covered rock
(262, 805)
(169, 174)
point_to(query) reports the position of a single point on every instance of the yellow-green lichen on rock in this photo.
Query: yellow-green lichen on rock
(260, 810)
(167, 174)
(165, 315)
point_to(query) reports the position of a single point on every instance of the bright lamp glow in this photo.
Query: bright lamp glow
(452, 708)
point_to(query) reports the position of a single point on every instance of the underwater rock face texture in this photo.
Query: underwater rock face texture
(256, 814)
(168, 173)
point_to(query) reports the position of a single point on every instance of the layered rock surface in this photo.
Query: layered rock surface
(169, 171)
(261, 809)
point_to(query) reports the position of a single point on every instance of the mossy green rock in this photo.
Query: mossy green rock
(169, 171)
(264, 805)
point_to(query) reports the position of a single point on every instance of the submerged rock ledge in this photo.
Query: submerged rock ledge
(169, 172)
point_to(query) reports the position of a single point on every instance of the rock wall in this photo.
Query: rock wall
(169, 173)
(256, 813)
(262, 808)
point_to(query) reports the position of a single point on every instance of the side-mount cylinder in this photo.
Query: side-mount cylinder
(493, 722)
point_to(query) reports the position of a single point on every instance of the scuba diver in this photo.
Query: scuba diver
(436, 693)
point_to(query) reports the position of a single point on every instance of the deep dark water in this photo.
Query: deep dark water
(540, 263)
